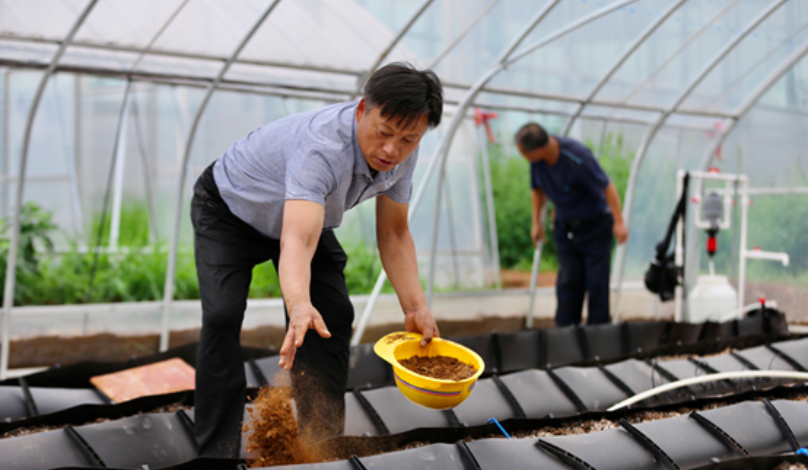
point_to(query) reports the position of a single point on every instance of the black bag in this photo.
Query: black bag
(662, 275)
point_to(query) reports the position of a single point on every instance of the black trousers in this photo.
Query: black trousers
(226, 250)
(584, 249)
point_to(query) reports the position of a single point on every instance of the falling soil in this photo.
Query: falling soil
(274, 435)
(439, 367)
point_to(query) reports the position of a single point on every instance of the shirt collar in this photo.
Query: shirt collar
(360, 164)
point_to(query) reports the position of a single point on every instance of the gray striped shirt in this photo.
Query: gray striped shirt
(312, 156)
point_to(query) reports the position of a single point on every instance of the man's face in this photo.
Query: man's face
(536, 155)
(384, 142)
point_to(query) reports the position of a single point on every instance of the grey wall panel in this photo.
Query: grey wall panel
(357, 422)
(637, 375)
(538, 394)
(512, 454)
(50, 400)
(400, 414)
(685, 441)
(764, 358)
(594, 389)
(153, 439)
(12, 403)
(486, 401)
(433, 457)
(605, 341)
(519, 351)
(751, 425)
(612, 449)
(45, 450)
(562, 347)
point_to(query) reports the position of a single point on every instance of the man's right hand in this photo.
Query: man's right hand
(301, 319)
(537, 233)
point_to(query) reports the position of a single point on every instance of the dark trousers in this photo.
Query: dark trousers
(226, 250)
(584, 250)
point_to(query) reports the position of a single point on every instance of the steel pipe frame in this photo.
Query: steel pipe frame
(445, 142)
(462, 34)
(649, 136)
(442, 151)
(360, 81)
(11, 266)
(168, 292)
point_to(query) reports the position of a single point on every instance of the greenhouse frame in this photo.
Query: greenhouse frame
(109, 101)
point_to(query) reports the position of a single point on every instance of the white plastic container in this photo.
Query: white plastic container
(712, 298)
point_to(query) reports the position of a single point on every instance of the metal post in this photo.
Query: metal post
(649, 136)
(6, 143)
(489, 203)
(168, 292)
(78, 219)
(742, 257)
(11, 265)
(679, 248)
(120, 159)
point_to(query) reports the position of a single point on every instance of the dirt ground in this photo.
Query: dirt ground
(52, 350)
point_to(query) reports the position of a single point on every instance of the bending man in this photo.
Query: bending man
(278, 194)
(587, 214)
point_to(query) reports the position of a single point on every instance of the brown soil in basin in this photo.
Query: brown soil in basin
(439, 367)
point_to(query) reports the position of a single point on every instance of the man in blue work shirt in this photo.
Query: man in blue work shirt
(277, 194)
(587, 214)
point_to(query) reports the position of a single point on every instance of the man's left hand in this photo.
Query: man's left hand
(620, 232)
(421, 321)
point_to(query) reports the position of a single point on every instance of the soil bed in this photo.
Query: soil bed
(439, 367)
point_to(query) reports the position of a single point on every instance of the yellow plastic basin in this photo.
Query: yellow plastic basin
(427, 391)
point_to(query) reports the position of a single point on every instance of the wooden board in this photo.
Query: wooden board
(173, 375)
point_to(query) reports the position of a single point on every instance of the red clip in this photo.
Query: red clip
(762, 301)
(757, 248)
(714, 169)
(712, 245)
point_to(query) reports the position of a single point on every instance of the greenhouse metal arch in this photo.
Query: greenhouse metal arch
(674, 77)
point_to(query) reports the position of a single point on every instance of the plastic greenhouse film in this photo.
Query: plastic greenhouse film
(51, 400)
(357, 422)
(562, 347)
(400, 414)
(644, 336)
(797, 350)
(367, 369)
(685, 333)
(519, 351)
(605, 341)
(637, 375)
(765, 359)
(433, 457)
(486, 402)
(155, 439)
(612, 449)
(591, 386)
(757, 463)
(12, 403)
(526, 385)
(52, 449)
(753, 427)
(496, 454)
(685, 441)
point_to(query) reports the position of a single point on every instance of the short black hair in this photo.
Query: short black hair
(532, 136)
(404, 92)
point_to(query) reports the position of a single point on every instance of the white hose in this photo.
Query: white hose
(783, 374)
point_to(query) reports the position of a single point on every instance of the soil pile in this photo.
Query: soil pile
(275, 436)
(439, 367)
